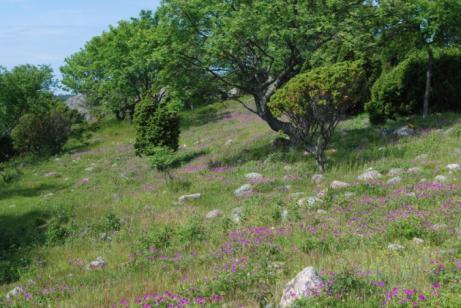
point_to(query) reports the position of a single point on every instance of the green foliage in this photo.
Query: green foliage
(41, 133)
(400, 91)
(116, 69)
(9, 173)
(24, 89)
(58, 228)
(408, 228)
(314, 103)
(111, 222)
(157, 125)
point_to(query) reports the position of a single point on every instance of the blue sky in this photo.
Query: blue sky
(47, 31)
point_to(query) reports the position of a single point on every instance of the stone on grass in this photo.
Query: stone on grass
(85, 181)
(339, 185)
(51, 175)
(439, 227)
(284, 215)
(322, 212)
(440, 179)
(306, 284)
(395, 247)
(214, 214)
(404, 131)
(349, 194)
(308, 202)
(394, 181)
(318, 178)
(418, 241)
(454, 167)
(288, 178)
(370, 175)
(237, 215)
(414, 170)
(89, 169)
(190, 197)
(15, 293)
(244, 191)
(99, 263)
(254, 176)
(395, 172)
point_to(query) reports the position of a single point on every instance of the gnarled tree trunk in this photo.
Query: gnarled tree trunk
(427, 93)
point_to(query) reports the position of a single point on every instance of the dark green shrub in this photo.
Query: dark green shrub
(111, 222)
(157, 125)
(407, 228)
(315, 102)
(6, 148)
(41, 133)
(400, 91)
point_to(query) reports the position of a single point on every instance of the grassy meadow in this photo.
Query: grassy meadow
(100, 200)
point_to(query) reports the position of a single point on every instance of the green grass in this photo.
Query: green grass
(52, 227)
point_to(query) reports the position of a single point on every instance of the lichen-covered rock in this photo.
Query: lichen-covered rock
(244, 191)
(370, 175)
(318, 178)
(339, 185)
(185, 198)
(394, 181)
(306, 284)
(214, 214)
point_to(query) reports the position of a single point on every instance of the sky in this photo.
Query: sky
(48, 31)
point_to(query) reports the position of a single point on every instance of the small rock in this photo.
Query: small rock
(454, 167)
(306, 284)
(214, 214)
(339, 185)
(254, 176)
(237, 215)
(370, 175)
(308, 202)
(229, 142)
(15, 292)
(244, 191)
(394, 181)
(440, 179)
(85, 181)
(89, 169)
(395, 172)
(418, 241)
(439, 227)
(414, 170)
(288, 178)
(404, 131)
(191, 197)
(318, 178)
(99, 263)
(395, 247)
(288, 168)
(51, 175)
(284, 188)
(322, 212)
(284, 215)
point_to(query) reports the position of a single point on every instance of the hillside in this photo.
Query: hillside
(374, 242)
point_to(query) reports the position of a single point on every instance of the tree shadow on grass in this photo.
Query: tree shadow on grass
(9, 191)
(18, 235)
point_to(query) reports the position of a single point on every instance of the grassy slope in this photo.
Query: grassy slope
(354, 229)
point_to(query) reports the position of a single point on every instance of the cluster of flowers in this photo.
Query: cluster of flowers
(170, 300)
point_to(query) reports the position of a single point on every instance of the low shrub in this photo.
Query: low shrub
(400, 91)
(157, 126)
(42, 133)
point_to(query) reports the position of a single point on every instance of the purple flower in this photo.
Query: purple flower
(422, 297)
(409, 292)
(200, 300)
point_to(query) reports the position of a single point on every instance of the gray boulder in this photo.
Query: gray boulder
(214, 214)
(395, 172)
(394, 181)
(404, 131)
(318, 178)
(306, 284)
(79, 103)
(370, 175)
(244, 191)
(191, 197)
(339, 185)
(237, 215)
(99, 263)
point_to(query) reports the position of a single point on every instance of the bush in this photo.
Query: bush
(400, 91)
(42, 133)
(6, 148)
(157, 125)
(314, 103)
